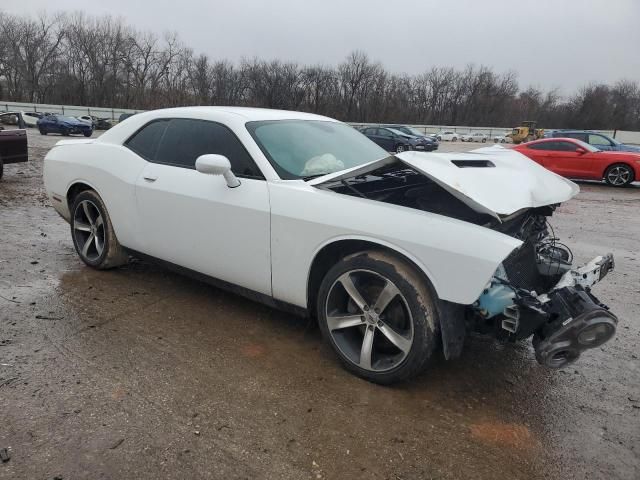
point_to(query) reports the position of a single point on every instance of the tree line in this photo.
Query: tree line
(75, 59)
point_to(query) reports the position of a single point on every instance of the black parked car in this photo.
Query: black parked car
(598, 140)
(413, 131)
(396, 141)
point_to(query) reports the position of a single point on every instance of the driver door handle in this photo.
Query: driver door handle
(150, 178)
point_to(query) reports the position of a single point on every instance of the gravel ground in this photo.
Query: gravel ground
(142, 373)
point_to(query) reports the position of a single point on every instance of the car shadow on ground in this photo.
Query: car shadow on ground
(251, 339)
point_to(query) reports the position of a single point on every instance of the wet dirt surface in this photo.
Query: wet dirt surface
(143, 373)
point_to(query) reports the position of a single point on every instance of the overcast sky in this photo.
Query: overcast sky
(551, 43)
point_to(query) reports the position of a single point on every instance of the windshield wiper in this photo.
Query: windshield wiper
(315, 175)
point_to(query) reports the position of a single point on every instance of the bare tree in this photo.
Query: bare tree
(83, 60)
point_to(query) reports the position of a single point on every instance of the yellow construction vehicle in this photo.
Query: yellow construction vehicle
(526, 132)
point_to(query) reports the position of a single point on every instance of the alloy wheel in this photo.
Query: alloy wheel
(369, 320)
(88, 230)
(400, 149)
(619, 175)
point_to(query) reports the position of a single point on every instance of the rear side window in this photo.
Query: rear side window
(145, 141)
(555, 146)
(185, 140)
(576, 135)
(539, 146)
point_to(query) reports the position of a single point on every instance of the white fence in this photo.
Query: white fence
(114, 114)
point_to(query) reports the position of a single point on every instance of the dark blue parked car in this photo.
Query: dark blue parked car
(598, 140)
(63, 125)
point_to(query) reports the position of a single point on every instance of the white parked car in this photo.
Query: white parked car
(392, 254)
(503, 137)
(31, 118)
(447, 136)
(474, 137)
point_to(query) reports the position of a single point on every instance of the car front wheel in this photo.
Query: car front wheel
(93, 234)
(379, 316)
(619, 175)
(400, 148)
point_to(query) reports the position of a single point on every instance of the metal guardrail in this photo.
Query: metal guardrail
(71, 110)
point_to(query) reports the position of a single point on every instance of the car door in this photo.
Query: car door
(387, 139)
(53, 124)
(562, 158)
(195, 220)
(13, 146)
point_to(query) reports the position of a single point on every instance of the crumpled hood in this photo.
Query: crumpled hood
(493, 180)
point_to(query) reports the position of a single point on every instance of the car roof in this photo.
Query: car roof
(247, 113)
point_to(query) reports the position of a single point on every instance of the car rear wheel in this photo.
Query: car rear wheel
(93, 234)
(454, 139)
(619, 175)
(379, 316)
(484, 140)
(87, 134)
(400, 148)
(42, 131)
(65, 132)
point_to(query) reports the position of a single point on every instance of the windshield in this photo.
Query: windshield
(310, 148)
(415, 132)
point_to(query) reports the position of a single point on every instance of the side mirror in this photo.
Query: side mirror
(581, 150)
(217, 165)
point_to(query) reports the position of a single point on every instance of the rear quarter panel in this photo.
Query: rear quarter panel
(111, 170)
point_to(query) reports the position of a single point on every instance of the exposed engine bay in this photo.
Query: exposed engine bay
(536, 292)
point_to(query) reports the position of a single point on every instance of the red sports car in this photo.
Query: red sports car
(576, 159)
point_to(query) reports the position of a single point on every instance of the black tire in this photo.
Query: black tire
(401, 148)
(42, 131)
(454, 139)
(619, 175)
(484, 140)
(112, 254)
(439, 138)
(87, 134)
(65, 132)
(416, 296)
(1, 168)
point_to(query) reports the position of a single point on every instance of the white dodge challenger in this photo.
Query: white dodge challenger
(396, 256)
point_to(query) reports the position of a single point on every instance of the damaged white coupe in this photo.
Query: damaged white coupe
(397, 256)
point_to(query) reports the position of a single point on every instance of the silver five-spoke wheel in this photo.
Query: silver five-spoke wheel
(619, 175)
(88, 230)
(369, 320)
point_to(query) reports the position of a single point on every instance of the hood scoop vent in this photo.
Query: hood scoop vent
(473, 163)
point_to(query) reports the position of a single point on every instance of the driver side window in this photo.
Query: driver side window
(180, 141)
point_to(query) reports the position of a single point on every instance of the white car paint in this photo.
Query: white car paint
(265, 234)
(503, 138)
(30, 119)
(474, 137)
(448, 136)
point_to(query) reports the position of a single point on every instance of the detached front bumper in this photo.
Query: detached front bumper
(564, 322)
